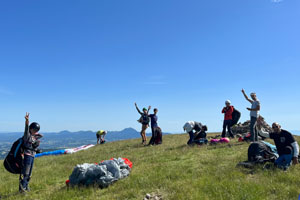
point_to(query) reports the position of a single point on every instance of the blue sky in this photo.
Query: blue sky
(81, 65)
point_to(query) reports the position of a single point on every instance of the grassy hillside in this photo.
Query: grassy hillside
(173, 170)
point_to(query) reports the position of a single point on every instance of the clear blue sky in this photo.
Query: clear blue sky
(81, 65)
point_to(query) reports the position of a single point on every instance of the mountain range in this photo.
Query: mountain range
(66, 139)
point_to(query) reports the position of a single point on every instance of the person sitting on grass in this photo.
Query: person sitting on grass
(201, 136)
(190, 127)
(287, 146)
(144, 120)
(101, 136)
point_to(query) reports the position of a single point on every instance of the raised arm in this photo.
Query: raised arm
(246, 97)
(137, 108)
(149, 108)
(26, 131)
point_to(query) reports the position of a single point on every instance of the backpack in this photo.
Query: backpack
(236, 115)
(261, 152)
(158, 134)
(13, 162)
(144, 119)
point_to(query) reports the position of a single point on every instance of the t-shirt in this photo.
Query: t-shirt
(228, 113)
(255, 104)
(101, 132)
(154, 119)
(198, 126)
(282, 140)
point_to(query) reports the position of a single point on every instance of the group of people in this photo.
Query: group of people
(145, 119)
(286, 144)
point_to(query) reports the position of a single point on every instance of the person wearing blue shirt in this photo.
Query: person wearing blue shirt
(154, 125)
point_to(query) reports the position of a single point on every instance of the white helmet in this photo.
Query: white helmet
(227, 102)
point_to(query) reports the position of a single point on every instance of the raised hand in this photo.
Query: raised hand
(243, 91)
(27, 116)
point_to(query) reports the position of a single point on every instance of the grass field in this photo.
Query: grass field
(172, 170)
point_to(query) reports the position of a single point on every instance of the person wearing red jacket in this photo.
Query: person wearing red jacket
(227, 110)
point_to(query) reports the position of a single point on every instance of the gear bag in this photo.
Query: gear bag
(261, 152)
(13, 162)
(236, 115)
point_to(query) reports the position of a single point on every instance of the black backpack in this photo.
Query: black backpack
(144, 119)
(236, 115)
(260, 152)
(14, 160)
(158, 135)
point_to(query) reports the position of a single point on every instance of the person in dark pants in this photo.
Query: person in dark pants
(31, 143)
(254, 114)
(154, 125)
(227, 110)
(190, 127)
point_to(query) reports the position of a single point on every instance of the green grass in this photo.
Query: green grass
(173, 170)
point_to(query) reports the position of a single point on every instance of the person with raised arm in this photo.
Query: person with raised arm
(30, 144)
(254, 114)
(144, 120)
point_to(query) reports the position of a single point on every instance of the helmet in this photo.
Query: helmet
(227, 101)
(35, 126)
(144, 109)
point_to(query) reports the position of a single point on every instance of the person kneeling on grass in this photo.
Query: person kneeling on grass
(287, 146)
(201, 136)
(100, 136)
(190, 127)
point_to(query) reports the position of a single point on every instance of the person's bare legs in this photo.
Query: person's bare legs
(143, 133)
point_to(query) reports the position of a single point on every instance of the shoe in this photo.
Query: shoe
(22, 190)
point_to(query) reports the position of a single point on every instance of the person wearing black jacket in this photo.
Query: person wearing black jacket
(31, 143)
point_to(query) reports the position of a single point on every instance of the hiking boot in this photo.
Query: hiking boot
(22, 190)
(27, 189)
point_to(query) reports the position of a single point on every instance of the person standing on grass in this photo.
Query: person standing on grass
(254, 114)
(227, 110)
(154, 125)
(144, 120)
(31, 143)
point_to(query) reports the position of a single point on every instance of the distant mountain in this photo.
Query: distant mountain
(67, 139)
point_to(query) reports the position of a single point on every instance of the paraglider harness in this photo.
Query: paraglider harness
(260, 153)
(13, 162)
(236, 115)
